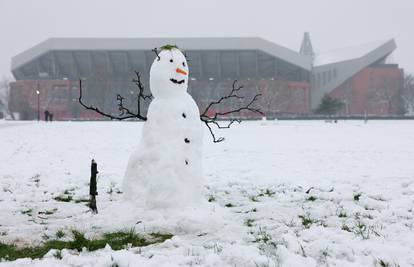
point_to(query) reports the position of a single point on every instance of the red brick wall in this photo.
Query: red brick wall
(56, 96)
(374, 91)
(284, 97)
(278, 97)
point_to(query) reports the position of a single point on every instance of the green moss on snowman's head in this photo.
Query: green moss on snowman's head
(169, 47)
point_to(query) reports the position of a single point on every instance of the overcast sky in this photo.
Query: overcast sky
(332, 24)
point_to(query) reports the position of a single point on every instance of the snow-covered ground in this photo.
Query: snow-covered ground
(288, 193)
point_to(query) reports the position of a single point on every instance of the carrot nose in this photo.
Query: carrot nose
(178, 70)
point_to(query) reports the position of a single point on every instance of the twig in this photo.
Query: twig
(124, 112)
(155, 50)
(209, 120)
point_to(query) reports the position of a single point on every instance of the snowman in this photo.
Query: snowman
(166, 169)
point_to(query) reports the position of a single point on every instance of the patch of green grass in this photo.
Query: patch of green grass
(68, 191)
(360, 226)
(306, 220)
(263, 236)
(161, 236)
(357, 196)
(229, 205)
(45, 237)
(342, 214)
(81, 200)
(345, 228)
(368, 216)
(211, 199)
(265, 242)
(28, 212)
(249, 222)
(117, 240)
(269, 192)
(60, 234)
(361, 229)
(48, 212)
(64, 198)
(366, 207)
(311, 198)
(58, 255)
(383, 263)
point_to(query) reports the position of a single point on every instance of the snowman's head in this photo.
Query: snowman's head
(169, 73)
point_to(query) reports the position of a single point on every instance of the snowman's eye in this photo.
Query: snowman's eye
(184, 64)
(171, 60)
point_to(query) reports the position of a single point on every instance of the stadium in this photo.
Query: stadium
(292, 83)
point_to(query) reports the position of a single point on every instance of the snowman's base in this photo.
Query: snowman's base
(190, 219)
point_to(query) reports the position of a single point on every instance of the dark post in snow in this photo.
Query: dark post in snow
(92, 187)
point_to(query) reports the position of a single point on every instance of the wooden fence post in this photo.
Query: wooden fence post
(93, 187)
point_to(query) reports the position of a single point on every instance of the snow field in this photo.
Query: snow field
(287, 193)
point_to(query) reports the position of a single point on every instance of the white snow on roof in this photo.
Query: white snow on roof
(348, 53)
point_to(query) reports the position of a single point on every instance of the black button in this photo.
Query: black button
(184, 116)
(186, 162)
(187, 140)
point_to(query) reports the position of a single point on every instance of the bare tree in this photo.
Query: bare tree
(4, 94)
(407, 94)
(387, 94)
(269, 102)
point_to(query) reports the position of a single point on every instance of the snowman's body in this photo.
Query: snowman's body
(166, 169)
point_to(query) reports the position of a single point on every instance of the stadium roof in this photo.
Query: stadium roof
(376, 49)
(351, 53)
(237, 43)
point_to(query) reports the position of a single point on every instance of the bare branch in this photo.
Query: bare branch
(141, 95)
(155, 50)
(124, 112)
(230, 95)
(212, 134)
(208, 120)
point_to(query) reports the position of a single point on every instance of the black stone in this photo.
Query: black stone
(187, 140)
(186, 162)
(184, 116)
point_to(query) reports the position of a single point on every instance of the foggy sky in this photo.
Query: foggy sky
(332, 24)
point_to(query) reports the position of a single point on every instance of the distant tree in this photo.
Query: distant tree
(407, 94)
(329, 105)
(4, 94)
(270, 101)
